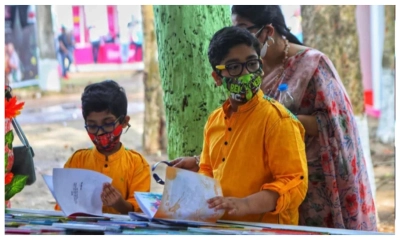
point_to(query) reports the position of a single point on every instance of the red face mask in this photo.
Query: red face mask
(107, 141)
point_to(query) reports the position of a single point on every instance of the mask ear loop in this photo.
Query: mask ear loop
(155, 175)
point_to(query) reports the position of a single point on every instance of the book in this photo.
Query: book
(77, 191)
(184, 199)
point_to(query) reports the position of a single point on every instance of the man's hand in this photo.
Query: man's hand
(188, 163)
(234, 206)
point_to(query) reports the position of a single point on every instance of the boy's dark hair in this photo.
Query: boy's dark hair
(227, 38)
(104, 96)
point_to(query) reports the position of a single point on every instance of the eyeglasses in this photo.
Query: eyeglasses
(107, 128)
(236, 69)
(255, 27)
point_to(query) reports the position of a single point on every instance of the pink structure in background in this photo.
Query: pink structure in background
(370, 48)
(108, 52)
(112, 16)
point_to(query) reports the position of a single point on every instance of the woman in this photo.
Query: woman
(339, 194)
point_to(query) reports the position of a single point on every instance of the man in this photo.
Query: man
(64, 50)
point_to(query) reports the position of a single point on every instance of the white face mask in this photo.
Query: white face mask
(265, 46)
(264, 50)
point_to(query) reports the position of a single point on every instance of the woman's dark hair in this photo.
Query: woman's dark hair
(264, 15)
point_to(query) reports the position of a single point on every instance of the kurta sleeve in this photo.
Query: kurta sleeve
(287, 162)
(205, 161)
(139, 181)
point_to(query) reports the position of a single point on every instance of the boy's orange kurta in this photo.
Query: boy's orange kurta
(129, 171)
(261, 146)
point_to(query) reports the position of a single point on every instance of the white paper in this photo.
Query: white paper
(184, 198)
(49, 182)
(77, 190)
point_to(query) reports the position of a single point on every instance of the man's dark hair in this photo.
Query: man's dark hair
(227, 38)
(104, 96)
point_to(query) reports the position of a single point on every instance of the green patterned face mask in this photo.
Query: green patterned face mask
(243, 88)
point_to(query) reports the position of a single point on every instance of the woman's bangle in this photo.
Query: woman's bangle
(197, 160)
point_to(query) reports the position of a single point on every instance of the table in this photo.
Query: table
(44, 222)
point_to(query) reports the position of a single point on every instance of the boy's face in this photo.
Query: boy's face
(104, 130)
(235, 60)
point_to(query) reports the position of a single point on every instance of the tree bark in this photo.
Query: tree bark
(332, 29)
(385, 131)
(45, 33)
(190, 95)
(154, 134)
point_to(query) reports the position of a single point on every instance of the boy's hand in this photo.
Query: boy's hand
(110, 196)
(234, 206)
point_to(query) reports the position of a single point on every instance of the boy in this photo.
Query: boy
(104, 109)
(253, 146)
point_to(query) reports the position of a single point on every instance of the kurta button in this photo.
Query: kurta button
(229, 129)
(226, 143)
(301, 177)
(105, 165)
(223, 159)
(225, 117)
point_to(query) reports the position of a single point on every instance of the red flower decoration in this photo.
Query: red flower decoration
(8, 177)
(12, 109)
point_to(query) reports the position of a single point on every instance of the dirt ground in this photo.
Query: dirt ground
(54, 126)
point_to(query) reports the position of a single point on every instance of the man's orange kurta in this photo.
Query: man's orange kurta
(261, 146)
(129, 171)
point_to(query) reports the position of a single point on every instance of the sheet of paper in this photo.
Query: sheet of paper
(185, 196)
(49, 182)
(79, 190)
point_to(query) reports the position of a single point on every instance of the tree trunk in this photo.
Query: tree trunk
(385, 131)
(45, 34)
(48, 65)
(332, 29)
(190, 95)
(154, 115)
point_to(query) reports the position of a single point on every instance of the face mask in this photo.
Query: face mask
(265, 45)
(264, 50)
(243, 88)
(107, 141)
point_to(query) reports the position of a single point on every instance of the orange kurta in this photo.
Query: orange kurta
(128, 169)
(261, 146)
